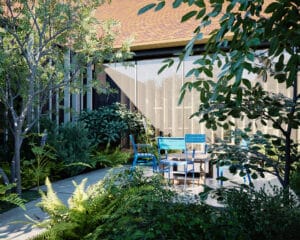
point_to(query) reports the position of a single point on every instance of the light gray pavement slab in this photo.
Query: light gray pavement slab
(10, 230)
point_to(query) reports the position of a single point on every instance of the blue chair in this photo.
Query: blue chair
(195, 140)
(167, 160)
(143, 155)
(196, 148)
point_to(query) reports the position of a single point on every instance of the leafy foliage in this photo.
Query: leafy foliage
(34, 37)
(232, 46)
(253, 215)
(6, 196)
(128, 205)
(72, 146)
(109, 124)
(263, 153)
(295, 181)
(90, 209)
(36, 170)
(110, 157)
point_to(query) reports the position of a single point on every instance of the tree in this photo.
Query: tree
(244, 27)
(34, 36)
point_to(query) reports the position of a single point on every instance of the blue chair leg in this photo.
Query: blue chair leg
(221, 175)
(154, 164)
(134, 163)
(249, 178)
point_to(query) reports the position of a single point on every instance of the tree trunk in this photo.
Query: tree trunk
(17, 162)
(287, 167)
(4, 177)
(288, 162)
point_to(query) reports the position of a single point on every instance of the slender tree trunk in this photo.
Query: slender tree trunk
(288, 161)
(89, 92)
(17, 161)
(287, 167)
(67, 105)
(4, 177)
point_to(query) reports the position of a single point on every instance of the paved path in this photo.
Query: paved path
(63, 188)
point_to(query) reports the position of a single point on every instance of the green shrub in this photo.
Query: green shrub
(72, 146)
(108, 124)
(295, 180)
(123, 206)
(128, 205)
(258, 215)
(110, 157)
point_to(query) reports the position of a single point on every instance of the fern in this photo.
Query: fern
(109, 158)
(52, 204)
(11, 197)
(92, 213)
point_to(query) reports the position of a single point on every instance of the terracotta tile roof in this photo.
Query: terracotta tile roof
(151, 29)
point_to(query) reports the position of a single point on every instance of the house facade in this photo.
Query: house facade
(156, 37)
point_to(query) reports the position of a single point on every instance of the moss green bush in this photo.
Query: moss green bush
(108, 124)
(72, 148)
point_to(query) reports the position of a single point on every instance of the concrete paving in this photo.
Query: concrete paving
(15, 226)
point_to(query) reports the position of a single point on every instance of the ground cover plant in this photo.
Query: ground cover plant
(127, 205)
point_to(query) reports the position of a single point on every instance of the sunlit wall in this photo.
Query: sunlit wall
(156, 96)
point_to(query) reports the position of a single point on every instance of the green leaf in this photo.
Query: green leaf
(247, 83)
(177, 3)
(235, 113)
(191, 2)
(222, 178)
(239, 75)
(207, 72)
(190, 73)
(188, 15)
(281, 77)
(216, 11)
(181, 97)
(201, 13)
(146, 8)
(200, 3)
(271, 7)
(159, 6)
(206, 85)
(253, 42)
(239, 96)
(254, 176)
(203, 95)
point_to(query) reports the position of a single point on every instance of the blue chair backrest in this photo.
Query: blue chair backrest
(171, 143)
(197, 139)
(133, 143)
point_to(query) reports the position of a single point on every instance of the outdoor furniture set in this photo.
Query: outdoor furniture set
(179, 158)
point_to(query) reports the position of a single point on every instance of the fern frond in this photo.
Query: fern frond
(14, 199)
(79, 196)
(51, 203)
